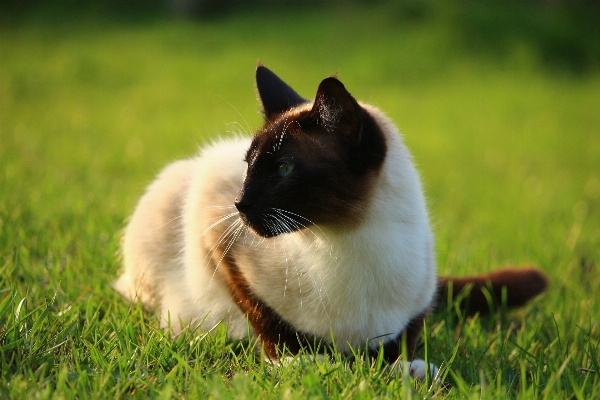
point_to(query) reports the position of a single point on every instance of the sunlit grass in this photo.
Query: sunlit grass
(509, 151)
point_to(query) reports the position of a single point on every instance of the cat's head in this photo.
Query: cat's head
(313, 162)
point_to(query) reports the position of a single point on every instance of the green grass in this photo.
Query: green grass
(507, 142)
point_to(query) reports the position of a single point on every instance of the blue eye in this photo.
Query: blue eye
(284, 168)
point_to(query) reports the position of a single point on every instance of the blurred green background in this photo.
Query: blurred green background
(499, 101)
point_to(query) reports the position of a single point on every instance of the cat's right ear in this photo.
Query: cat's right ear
(276, 96)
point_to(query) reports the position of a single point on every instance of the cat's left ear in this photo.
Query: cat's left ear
(276, 96)
(336, 109)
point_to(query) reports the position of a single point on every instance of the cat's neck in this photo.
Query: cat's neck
(392, 246)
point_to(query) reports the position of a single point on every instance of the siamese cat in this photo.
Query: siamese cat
(315, 230)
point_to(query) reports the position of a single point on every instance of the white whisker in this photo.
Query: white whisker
(226, 235)
(216, 207)
(293, 221)
(289, 239)
(226, 217)
(233, 237)
(318, 287)
(280, 230)
(300, 227)
(239, 113)
(169, 221)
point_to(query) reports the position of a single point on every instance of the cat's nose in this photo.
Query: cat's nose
(242, 205)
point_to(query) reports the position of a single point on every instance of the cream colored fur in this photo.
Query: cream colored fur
(353, 285)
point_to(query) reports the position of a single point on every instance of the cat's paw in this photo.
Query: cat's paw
(418, 369)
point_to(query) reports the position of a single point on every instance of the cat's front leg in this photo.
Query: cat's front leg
(276, 335)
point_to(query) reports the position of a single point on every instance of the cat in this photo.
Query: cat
(315, 230)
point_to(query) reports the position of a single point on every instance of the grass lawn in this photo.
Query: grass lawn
(507, 139)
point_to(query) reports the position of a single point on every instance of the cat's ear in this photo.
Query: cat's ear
(276, 96)
(337, 110)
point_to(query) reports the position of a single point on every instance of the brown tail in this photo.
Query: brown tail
(521, 285)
